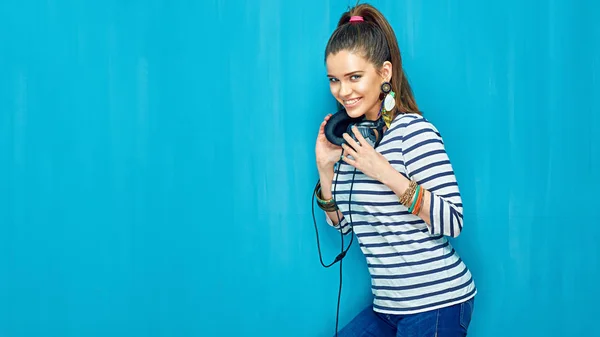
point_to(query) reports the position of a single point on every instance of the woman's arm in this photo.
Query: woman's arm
(335, 219)
(398, 183)
(428, 164)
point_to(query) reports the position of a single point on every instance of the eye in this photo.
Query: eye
(355, 77)
(332, 79)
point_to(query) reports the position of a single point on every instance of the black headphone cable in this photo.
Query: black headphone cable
(343, 252)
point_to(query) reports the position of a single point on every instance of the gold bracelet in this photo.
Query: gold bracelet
(408, 194)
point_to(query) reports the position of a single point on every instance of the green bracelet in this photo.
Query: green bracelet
(326, 205)
(414, 203)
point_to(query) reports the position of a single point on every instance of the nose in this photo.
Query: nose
(345, 89)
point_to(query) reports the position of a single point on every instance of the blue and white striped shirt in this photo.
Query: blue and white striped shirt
(413, 267)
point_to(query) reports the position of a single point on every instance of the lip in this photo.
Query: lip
(353, 104)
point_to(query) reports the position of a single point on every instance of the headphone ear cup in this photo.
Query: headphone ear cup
(337, 126)
(371, 131)
(362, 129)
(367, 130)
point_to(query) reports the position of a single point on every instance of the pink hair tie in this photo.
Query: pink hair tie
(356, 19)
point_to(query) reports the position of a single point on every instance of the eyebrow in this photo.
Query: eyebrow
(348, 74)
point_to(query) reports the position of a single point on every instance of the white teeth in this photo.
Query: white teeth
(350, 102)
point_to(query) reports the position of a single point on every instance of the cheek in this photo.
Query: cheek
(333, 89)
(369, 90)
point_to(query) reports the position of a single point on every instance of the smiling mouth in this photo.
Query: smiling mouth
(351, 102)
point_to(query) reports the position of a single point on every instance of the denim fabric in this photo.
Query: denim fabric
(451, 321)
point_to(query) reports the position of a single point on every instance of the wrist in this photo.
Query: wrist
(325, 172)
(392, 178)
(326, 178)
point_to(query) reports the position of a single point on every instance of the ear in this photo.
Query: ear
(386, 71)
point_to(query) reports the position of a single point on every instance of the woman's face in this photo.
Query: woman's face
(356, 84)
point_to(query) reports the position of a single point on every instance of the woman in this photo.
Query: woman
(400, 198)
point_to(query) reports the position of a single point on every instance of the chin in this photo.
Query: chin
(355, 113)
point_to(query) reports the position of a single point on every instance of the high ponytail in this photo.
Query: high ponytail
(375, 40)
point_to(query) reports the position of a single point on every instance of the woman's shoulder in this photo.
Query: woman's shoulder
(414, 133)
(407, 123)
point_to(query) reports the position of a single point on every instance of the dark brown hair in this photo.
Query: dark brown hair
(375, 40)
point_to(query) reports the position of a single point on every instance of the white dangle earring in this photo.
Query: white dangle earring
(388, 104)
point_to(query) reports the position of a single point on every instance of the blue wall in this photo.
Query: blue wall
(157, 163)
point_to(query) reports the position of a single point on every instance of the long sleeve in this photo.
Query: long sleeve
(428, 164)
(345, 228)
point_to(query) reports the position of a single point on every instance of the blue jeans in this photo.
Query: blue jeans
(451, 321)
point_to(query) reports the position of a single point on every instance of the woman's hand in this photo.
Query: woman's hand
(364, 157)
(327, 153)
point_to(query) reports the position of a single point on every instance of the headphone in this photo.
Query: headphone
(372, 132)
(340, 123)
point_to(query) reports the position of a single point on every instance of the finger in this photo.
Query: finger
(349, 151)
(359, 137)
(349, 161)
(324, 122)
(351, 141)
(322, 127)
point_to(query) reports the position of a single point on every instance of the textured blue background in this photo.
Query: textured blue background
(157, 163)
